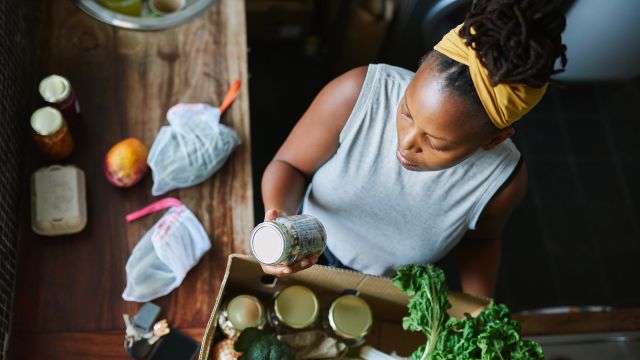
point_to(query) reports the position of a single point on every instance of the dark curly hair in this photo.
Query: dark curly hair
(517, 41)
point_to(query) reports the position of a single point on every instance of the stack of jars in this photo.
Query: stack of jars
(50, 124)
(296, 308)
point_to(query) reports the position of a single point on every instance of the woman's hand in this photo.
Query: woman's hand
(283, 270)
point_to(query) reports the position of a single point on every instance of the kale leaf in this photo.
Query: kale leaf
(428, 304)
(255, 344)
(492, 335)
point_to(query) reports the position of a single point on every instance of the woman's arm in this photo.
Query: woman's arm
(478, 254)
(313, 140)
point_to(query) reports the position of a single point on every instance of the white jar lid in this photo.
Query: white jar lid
(267, 243)
(54, 88)
(46, 121)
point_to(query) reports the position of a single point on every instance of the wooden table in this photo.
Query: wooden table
(580, 323)
(68, 302)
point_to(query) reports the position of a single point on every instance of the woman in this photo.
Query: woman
(406, 167)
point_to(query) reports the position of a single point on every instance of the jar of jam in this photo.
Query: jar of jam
(57, 91)
(349, 319)
(241, 312)
(51, 133)
(295, 308)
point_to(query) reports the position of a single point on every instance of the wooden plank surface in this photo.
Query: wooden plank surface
(126, 81)
(579, 323)
(96, 345)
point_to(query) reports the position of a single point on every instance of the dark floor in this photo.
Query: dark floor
(576, 239)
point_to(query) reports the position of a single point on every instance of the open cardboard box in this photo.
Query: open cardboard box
(389, 305)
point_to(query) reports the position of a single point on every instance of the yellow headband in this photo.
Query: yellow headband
(504, 103)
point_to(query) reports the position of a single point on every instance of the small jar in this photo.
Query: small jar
(57, 91)
(241, 312)
(295, 308)
(287, 239)
(51, 133)
(349, 319)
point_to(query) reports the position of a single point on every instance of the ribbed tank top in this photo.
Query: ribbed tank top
(377, 214)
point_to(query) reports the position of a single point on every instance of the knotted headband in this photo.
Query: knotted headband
(504, 103)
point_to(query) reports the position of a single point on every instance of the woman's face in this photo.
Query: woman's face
(434, 128)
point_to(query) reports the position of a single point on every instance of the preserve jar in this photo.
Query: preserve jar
(51, 133)
(295, 308)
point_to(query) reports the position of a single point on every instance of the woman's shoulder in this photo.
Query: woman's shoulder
(353, 80)
(392, 72)
(350, 82)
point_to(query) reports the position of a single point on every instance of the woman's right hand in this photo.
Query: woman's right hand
(283, 270)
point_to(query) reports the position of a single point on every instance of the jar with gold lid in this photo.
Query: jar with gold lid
(295, 308)
(241, 312)
(349, 319)
(51, 133)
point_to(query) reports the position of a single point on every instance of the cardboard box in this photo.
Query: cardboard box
(389, 305)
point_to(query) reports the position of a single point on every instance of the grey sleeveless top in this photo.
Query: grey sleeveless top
(377, 214)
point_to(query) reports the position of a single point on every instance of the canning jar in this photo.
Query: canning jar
(287, 239)
(57, 91)
(349, 319)
(295, 308)
(241, 312)
(51, 133)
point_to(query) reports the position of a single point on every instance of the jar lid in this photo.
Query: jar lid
(350, 317)
(267, 243)
(297, 307)
(54, 88)
(245, 311)
(46, 121)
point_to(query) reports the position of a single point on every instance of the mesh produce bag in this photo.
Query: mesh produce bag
(193, 147)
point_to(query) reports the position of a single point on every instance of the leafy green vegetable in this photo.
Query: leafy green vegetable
(492, 335)
(428, 304)
(255, 344)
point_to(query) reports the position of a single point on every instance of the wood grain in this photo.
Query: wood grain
(578, 323)
(96, 345)
(126, 81)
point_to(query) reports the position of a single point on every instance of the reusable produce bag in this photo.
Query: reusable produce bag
(162, 258)
(194, 145)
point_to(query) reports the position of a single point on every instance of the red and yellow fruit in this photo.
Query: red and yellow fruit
(126, 163)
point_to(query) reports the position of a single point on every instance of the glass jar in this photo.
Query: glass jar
(241, 312)
(349, 319)
(287, 239)
(295, 308)
(57, 91)
(51, 133)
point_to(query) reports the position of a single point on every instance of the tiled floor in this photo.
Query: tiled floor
(576, 238)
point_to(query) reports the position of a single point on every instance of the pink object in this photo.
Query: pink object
(156, 206)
